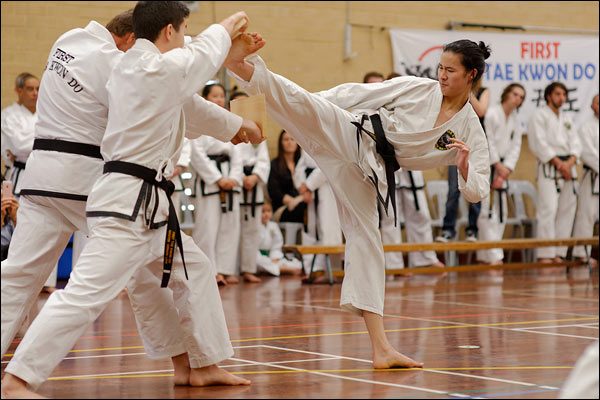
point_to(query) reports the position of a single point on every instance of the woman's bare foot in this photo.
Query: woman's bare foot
(249, 277)
(16, 388)
(221, 280)
(393, 359)
(214, 376)
(48, 289)
(232, 279)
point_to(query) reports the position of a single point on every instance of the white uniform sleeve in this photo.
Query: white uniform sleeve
(538, 142)
(371, 96)
(237, 165)
(199, 60)
(574, 140)
(200, 162)
(20, 137)
(315, 180)
(589, 152)
(299, 176)
(203, 117)
(491, 129)
(276, 251)
(477, 185)
(186, 153)
(262, 167)
(510, 161)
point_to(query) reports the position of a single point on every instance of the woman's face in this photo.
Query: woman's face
(288, 143)
(216, 95)
(453, 77)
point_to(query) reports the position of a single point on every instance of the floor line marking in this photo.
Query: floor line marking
(425, 369)
(356, 379)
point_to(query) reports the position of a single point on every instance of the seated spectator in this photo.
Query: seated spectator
(10, 205)
(270, 256)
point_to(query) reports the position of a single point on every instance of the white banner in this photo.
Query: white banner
(531, 60)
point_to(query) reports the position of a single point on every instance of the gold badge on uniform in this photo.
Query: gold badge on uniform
(444, 140)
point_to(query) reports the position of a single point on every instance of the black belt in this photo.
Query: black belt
(64, 146)
(223, 195)
(386, 151)
(500, 201)
(593, 176)
(248, 171)
(550, 172)
(19, 164)
(173, 237)
(413, 189)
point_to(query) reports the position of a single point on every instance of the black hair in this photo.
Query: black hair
(206, 90)
(473, 55)
(150, 17)
(550, 88)
(237, 94)
(121, 24)
(280, 151)
(22, 78)
(509, 89)
(372, 74)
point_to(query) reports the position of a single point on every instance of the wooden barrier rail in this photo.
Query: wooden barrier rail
(525, 243)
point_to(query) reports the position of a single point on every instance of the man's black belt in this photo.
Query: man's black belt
(500, 191)
(64, 146)
(593, 176)
(19, 164)
(308, 171)
(173, 237)
(386, 151)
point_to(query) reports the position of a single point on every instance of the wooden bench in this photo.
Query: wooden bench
(299, 251)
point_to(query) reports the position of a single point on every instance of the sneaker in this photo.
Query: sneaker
(444, 237)
(471, 236)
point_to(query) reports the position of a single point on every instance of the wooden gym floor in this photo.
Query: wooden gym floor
(480, 336)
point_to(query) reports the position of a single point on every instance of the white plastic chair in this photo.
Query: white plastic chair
(518, 190)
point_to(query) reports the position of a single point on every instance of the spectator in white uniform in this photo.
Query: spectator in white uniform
(504, 138)
(587, 203)
(555, 143)
(270, 256)
(218, 166)
(18, 123)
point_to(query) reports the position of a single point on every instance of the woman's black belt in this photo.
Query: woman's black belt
(64, 146)
(173, 237)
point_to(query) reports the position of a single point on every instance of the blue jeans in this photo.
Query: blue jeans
(452, 205)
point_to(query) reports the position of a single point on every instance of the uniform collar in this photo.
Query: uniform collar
(146, 45)
(100, 31)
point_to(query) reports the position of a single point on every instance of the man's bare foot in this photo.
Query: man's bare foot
(48, 289)
(232, 279)
(181, 366)
(249, 277)
(16, 388)
(214, 376)
(394, 359)
(221, 280)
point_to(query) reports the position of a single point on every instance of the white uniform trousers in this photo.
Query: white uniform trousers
(587, 214)
(250, 238)
(326, 133)
(218, 233)
(324, 219)
(417, 224)
(116, 249)
(555, 213)
(44, 227)
(490, 228)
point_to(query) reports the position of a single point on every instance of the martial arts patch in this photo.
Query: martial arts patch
(444, 140)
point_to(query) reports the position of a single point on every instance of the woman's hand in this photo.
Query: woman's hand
(462, 156)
